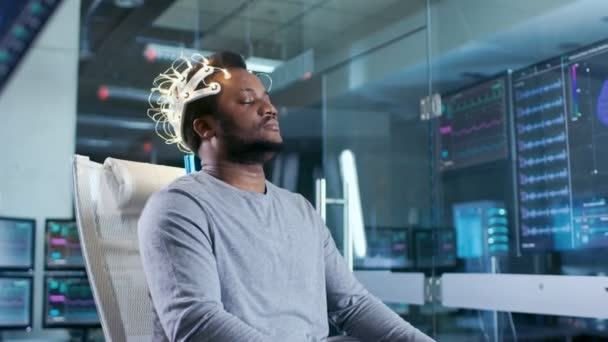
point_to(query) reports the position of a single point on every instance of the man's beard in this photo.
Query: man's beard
(247, 151)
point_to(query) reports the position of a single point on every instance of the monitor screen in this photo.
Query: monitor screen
(15, 302)
(20, 23)
(434, 247)
(561, 125)
(482, 229)
(473, 127)
(69, 302)
(587, 107)
(62, 245)
(16, 243)
(387, 248)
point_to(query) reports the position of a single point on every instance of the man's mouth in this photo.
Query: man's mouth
(272, 125)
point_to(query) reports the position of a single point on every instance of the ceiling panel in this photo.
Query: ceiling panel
(275, 11)
(361, 7)
(180, 18)
(239, 26)
(329, 20)
(217, 6)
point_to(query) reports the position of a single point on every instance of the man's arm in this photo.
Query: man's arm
(352, 309)
(180, 268)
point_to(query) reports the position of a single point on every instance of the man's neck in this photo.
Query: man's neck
(243, 176)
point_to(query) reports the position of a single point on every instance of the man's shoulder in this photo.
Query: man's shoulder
(285, 194)
(187, 186)
(293, 198)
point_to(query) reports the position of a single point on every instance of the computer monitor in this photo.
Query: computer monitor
(17, 243)
(482, 229)
(15, 302)
(587, 103)
(472, 129)
(69, 302)
(20, 23)
(62, 245)
(561, 130)
(387, 248)
(434, 247)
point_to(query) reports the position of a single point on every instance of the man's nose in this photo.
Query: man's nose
(269, 109)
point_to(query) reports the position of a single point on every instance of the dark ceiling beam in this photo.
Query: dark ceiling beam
(121, 39)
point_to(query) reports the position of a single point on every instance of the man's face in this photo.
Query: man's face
(249, 126)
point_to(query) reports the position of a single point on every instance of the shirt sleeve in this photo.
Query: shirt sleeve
(180, 268)
(353, 309)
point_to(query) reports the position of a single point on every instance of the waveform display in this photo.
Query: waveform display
(532, 231)
(16, 243)
(545, 159)
(63, 248)
(535, 213)
(525, 179)
(522, 95)
(543, 174)
(527, 111)
(69, 301)
(15, 302)
(472, 129)
(540, 125)
(468, 103)
(546, 194)
(478, 150)
(473, 117)
(524, 145)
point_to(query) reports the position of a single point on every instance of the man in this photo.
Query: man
(229, 256)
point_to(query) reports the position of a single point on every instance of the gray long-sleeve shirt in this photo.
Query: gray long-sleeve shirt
(224, 264)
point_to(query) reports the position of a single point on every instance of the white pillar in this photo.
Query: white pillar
(37, 140)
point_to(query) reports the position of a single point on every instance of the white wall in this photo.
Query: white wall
(37, 139)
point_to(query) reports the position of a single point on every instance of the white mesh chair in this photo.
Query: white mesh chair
(109, 200)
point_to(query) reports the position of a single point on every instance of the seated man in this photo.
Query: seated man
(230, 257)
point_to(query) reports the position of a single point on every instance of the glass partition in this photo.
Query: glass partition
(519, 177)
(500, 181)
(377, 192)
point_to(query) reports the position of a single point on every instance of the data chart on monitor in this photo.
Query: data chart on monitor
(542, 157)
(15, 302)
(586, 74)
(63, 248)
(16, 243)
(69, 302)
(561, 122)
(472, 127)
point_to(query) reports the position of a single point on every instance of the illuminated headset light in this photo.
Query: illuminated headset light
(171, 92)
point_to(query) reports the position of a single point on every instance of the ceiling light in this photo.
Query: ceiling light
(168, 53)
(128, 3)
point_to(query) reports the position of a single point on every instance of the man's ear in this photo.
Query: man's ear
(205, 127)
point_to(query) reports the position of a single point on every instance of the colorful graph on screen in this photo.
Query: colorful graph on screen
(63, 248)
(561, 121)
(587, 95)
(15, 302)
(472, 128)
(542, 163)
(69, 301)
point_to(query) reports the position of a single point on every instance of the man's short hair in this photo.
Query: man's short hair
(206, 105)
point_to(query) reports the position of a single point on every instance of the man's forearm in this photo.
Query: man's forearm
(205, 324)
(370, 320)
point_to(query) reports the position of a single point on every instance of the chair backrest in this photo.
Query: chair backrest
(109, 199)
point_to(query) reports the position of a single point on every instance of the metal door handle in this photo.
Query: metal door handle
(321, 203)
